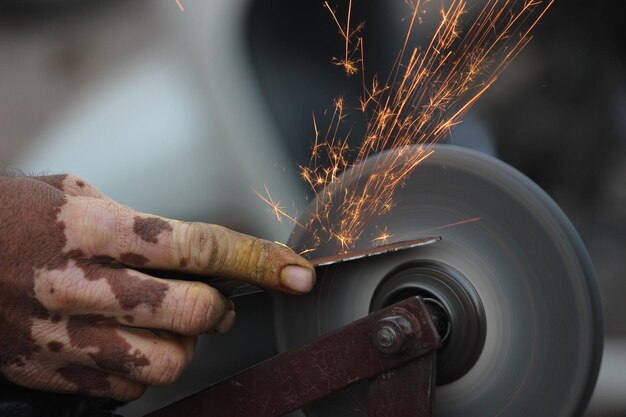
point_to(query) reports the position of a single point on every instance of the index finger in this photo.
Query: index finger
(146, 241)
(214, 250)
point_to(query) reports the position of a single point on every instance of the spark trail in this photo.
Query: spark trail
(426, 92)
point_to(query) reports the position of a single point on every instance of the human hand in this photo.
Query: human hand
(75, 313)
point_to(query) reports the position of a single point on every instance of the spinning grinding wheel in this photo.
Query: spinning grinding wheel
(503, 309)
(516, 285)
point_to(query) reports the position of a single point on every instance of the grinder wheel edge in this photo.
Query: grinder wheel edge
(523, 260)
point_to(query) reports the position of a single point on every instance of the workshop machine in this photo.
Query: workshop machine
(498, 316)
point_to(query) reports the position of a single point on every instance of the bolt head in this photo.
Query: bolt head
(391, 334)
(386, 337)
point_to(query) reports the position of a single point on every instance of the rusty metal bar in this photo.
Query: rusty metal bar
(328, 364)
(407, 391)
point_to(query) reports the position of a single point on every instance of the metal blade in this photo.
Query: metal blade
(232, 288)
(377, 250)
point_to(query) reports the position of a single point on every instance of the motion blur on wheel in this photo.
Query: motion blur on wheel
(524, 334)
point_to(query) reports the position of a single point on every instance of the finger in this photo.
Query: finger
(71, 185)
(217, 251)
(167, 358)
(147, 241)
(81, 380)
(99, 384)
(134, 298)
(97, 342)
(135, 354)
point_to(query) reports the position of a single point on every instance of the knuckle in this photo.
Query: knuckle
(204, 245)
(184, 237)
(77, 186)
(69, 293)
(170, 364)
(263, 260)
(119, 229)
(73, 182)
(72, 177)
(57, 181)
(259, 261)
(89, 220)
(201, 309)
(31, 376)
(211, 312)
(47, 191)
(127, 391)
(100, 224)
(115, 233)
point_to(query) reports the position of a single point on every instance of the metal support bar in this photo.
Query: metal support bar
(359, 351)
(407, 391)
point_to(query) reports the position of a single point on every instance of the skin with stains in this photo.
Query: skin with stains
(21, 227)
(150, 228)
(133, 259)
(89, 380)
(80, 309)
(54, 180)
(55, 346)
(129, 290)
(113, 352)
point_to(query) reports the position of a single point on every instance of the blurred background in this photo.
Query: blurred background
(184, 114)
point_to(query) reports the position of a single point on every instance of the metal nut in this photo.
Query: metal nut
(386, 337)
(391, 334)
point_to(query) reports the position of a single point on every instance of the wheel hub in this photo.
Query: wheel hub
(454, 304)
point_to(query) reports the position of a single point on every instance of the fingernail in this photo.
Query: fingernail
(297, 278)
(227, 322)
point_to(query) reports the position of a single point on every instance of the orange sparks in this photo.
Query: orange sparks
(447, 226)
(426, 93)
(382, 239)
(180, 5)
(304, 252)
(278, 211)
(283, 245)
(349, 64)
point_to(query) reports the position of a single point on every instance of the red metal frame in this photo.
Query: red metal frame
(401, 373)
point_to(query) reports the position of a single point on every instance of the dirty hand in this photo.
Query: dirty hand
(75, 313)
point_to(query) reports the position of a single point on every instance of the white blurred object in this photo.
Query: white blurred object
(609, 397)
(138, 136)
(177, 130)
